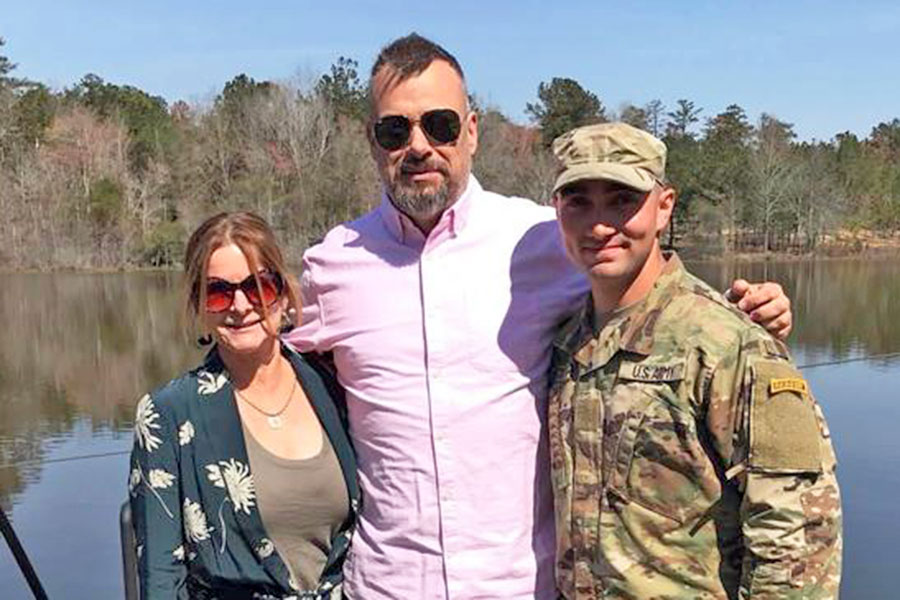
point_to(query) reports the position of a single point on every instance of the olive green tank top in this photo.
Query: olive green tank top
(302, 504)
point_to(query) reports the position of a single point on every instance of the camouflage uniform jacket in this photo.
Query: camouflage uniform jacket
(689, 458)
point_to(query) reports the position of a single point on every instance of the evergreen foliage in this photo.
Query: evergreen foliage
(342, 89)
(107, 175)
(563, 105)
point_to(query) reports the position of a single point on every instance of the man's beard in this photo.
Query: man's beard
(420, 203)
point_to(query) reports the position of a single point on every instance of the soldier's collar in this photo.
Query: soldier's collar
(639, 328)
(578, 330)
(636, 327)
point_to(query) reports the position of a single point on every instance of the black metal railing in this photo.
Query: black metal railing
(21, 557)
(129, 553)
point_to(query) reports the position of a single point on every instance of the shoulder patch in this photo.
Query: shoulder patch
(784, 428)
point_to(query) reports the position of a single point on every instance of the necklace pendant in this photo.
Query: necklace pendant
(275, 422)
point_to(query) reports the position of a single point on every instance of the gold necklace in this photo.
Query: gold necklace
(274, 418)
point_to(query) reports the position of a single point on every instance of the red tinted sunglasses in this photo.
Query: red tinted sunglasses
(220, 293)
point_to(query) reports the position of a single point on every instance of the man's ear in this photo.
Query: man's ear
(665, 207)
(471, 125)
(554, 202)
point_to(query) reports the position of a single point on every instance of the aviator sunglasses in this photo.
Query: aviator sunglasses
(220, 293)
(441, 125)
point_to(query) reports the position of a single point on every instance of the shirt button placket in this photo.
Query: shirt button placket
(435, 343)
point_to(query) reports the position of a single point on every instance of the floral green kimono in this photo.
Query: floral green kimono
(193, 501)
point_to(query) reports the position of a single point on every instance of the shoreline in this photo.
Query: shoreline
(834, 254)
(841, 245)
(174, 269)
(880, 249)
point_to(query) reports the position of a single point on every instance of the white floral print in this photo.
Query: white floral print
(235, 477)
(134, 480)
(185, 433)
(265, 549)
(145, 421)
(158, 478)
(195, 527)
(210, 383)
(178, 553)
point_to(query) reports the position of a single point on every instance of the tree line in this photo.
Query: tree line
(105, 175)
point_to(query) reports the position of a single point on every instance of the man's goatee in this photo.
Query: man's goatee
(420, 204)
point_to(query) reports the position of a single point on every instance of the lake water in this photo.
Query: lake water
(78, 351)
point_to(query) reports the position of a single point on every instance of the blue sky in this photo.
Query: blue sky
(825, 66)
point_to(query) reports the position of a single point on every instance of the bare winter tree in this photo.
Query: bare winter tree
(773, 173)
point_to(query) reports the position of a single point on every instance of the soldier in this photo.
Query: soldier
(689, 457)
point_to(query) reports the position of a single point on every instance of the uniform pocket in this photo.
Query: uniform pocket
(660, 463)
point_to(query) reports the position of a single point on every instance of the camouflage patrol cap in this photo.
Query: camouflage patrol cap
(610, 151)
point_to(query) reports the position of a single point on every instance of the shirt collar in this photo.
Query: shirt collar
(451, 223)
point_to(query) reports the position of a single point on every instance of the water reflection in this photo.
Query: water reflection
(67, 519)
(79, 347)
(79, 350)
(841, 307)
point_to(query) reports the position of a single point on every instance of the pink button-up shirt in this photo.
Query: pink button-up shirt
(443, 345)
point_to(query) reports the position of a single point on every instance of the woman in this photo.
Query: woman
(243, 481)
